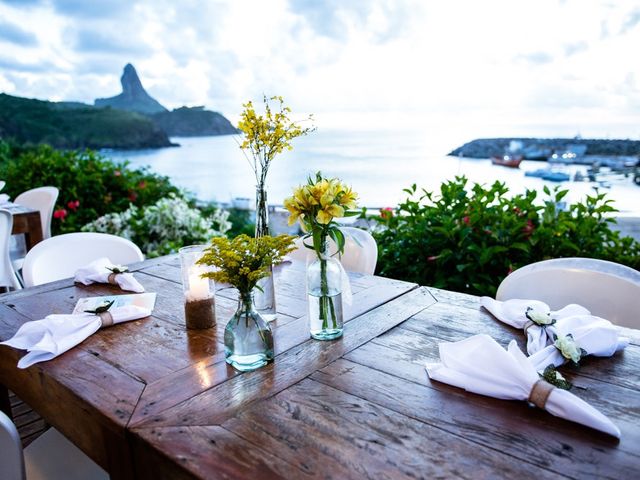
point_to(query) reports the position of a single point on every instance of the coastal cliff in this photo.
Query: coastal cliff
(70, 125)
(486, 147)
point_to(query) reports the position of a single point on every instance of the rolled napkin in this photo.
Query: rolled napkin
(55, 334)
(101, 271)
(517, 313)
(577, 336)
(479, 365)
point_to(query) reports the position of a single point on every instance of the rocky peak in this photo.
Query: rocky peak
(133, 97)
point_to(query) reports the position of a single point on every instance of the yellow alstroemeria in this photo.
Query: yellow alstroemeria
(294, 211)
(328, 213)
(348, 198)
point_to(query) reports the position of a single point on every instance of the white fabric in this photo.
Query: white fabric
(513, 312)
(595, 335)
(55, 334)
(98, 272)
(479, 365)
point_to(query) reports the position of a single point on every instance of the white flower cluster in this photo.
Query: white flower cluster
(163, 227)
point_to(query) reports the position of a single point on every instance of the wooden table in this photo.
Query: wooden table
(149, 399)
(27, 221)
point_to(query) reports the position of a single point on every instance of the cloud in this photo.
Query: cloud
(92, 40)
(536, 58)
(13, 65)
(575, 48)
(631, 21)
(15, 34)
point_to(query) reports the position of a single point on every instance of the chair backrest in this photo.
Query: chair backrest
(609, 290)
(60, 256)
(42, 199)
(360, 251)
(7, 274)
(11, 458)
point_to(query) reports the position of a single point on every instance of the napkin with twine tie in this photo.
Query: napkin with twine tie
(480, 365)
(55, 334)
(103, 270)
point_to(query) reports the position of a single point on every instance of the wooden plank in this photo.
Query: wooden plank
(331, 434)
(204, 452)
(203, 375)
(525, 433)
(222, 401)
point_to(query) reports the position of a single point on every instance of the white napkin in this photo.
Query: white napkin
(479, 365)
(595, 335)
(55, 334)
(513, 312)
(98, 272)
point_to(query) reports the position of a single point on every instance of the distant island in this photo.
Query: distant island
(539, 147)
(130, 120)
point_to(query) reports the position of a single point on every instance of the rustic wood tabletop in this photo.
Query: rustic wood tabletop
(149, 399)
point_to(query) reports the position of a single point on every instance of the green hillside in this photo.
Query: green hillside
(75, 125)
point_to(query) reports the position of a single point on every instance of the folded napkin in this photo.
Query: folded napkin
(514, 313)
(479, 365)
(100, 271)
(55, 334)
(580, 335)
(595, 335)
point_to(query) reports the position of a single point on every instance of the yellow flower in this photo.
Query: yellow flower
(328, 213)
(348, 198)
(294, 211)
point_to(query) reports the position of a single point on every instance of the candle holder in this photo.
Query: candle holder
(199, 293)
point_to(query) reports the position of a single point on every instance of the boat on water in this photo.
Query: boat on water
(511, 161)
(546, 174)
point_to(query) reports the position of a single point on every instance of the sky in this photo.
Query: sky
(486, 68)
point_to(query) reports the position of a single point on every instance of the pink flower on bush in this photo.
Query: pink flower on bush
(466, 219)
(133, 196)
(73, 205)
(528, 229)
(386, 213)
(142, 185)
(60, 214)
(117, 173)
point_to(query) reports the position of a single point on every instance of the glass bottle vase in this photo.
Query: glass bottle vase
(324, 291)
(248, 341)
(265, 296)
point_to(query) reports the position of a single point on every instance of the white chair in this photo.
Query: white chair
(8, 276)
(609, 290)
(42, 199)
(50, 456)
(60, 256)
(360, 251)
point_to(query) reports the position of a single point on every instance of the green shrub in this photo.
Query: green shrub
(468, 240)
(163, 227)
(90, 185)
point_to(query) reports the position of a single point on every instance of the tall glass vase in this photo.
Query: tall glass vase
(324, 290)
(248, 342)
(265, 295)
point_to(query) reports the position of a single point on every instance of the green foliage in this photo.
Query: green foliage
(90, 185)
(165, 226)
(242, 222)
(468, 239)
(74, 125)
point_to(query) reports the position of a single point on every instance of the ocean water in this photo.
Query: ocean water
(377, 164)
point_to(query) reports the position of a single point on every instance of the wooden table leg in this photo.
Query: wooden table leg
(5, 403)
(34, 234)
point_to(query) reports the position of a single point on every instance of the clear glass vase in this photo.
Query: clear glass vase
(324, 290)
(248, 341)
(265, 295)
